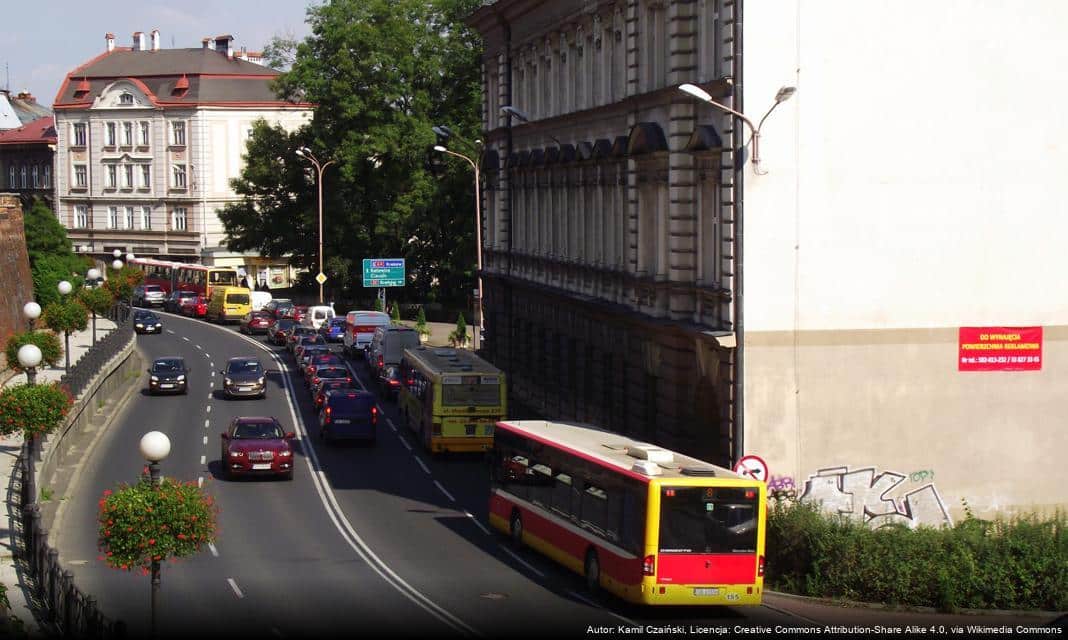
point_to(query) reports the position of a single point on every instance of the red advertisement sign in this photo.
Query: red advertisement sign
(1000, 349)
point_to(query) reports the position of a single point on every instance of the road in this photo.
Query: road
(381, 538)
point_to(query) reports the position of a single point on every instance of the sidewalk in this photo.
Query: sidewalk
(10, 573)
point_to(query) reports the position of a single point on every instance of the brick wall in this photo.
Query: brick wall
(16, 285)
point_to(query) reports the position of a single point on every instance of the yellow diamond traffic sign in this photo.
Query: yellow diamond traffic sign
(321, 278)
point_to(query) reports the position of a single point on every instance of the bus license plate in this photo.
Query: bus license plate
(705, 592)
(470, 429)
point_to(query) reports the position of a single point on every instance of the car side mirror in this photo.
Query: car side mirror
(290, 435)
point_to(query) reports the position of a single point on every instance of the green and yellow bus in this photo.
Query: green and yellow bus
(451, 398)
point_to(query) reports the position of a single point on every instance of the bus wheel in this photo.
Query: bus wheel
(516, 530)
(593, 572)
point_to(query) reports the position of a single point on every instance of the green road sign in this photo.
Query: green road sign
(383, 272)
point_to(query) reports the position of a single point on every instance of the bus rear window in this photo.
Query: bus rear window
(708, 520)
(471, 395)
(222, 277)
(237, 298)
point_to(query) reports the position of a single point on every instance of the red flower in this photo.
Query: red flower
(151, 541)
(181, 536)
(107, 492)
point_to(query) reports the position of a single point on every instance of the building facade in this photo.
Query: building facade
(148, 141)
(27, 157)
(608, 216)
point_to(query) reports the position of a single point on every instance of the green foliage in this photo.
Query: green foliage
(459, 336)
(420, 323)
(31, 410)
(48, 342)
(97, 299)
(65, 316)
(378, 304)
(143, 523)
(120, 283)
(45, 236)
(395, 313)
(49, 270)
(383, 73)
(1004, 564)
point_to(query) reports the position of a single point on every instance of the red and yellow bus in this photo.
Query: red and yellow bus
(157, 272)
(647, 524)
(180, 276)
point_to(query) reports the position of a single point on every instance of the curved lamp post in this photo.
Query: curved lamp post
(93, 276)
(305, 152)
(32, 311)
(155, 446)
(478, 232)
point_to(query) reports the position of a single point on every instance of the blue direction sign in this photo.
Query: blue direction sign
(383, 272)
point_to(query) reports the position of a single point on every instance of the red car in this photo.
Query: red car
(256, 322)
(257, 446)
(331, 385)
(279, 331)
(329, 372)
(194, 307)
(317, 361)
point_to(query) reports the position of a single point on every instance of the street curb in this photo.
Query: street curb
(854, 604)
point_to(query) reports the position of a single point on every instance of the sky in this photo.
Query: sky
(43, 40)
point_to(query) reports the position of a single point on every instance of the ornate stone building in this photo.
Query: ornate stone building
(608, 224)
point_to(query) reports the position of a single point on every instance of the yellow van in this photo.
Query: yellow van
(229, 304)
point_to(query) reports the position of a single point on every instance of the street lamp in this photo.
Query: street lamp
(781, 96)
(305, 152)
(32, 311)
(30, 356)
(155, 446)
(93, 275)
(64, 290)
(116, 264)
(478, 236)
(511, 111)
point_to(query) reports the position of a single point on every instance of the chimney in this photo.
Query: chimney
(109, 38)
(138, 41)
(206, 42)
(155, 39)
(225, 44)
(26, 95)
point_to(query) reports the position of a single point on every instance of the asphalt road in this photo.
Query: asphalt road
(377, 538)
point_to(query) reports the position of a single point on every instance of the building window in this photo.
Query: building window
(109, 134)
(178, 133)
(179, 176)
(127, 134)
(112, 176)
(81, 176)
(48, 176)
(128, 176)
(22, 177)
(178, 219)
(36, 178)
(81, 216)
(144, 134)
(146, 218)
(129, 219)
(126, 99)
(11, 181)
(146, 176)
(113, 217)
(79, 134)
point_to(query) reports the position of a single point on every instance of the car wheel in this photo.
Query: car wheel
(263, 396)
(516, 530)
(593, 572)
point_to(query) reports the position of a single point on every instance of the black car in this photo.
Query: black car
(348, 415)
(244, 377)
(389, 380)
(147, 322)
(168, 375)
(173, 302)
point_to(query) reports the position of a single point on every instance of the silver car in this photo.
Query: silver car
(149, 295)
(244, 377)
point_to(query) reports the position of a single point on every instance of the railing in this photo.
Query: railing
(70, 611)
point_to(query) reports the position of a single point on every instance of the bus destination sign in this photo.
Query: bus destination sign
(383, 272)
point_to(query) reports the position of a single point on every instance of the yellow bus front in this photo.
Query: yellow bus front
(465, 409)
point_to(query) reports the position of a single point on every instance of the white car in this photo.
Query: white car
(149, 295)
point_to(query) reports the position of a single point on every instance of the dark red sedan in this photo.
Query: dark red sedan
(317, 361)
(257, 446)
(256, 322)
(280, 331)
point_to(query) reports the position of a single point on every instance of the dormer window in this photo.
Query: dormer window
(126, 99)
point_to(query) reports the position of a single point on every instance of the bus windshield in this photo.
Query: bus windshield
(222, 277)
(471, 395)
(237, 298)
(708, 520)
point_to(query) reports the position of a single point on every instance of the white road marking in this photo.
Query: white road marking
(442, 489)
(404, 441)
(582, 598)
(210, 395)
(208, 409)
(170, 332)
(211, 385)
(422, 464)
(233, 585)
(214, 551)
(205, 439)
(523, 562)
(197, 346)
(207, 423)
(477, 523)
(185, 338)
(212, 363)
(391, 425)
(200, 481)
(212, 374)
(208, 356)
(203, 459)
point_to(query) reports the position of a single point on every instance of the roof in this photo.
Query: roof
(40, 131)
(616, 450)
(19, 109)
(444, 360)
(8, 118)
(212, 78)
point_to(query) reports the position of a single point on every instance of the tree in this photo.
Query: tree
(382, 72)
(49, 270)
(46, 341)
(32, 410)
(459, 336)
(98, 300)
(420, 323)
(49, 249)
(394, 314)
(120, 282)
(65, 316)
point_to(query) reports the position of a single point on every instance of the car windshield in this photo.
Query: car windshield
(141, 317)
(244, 366)
(326, 358)
(167, 366)
(257, 431)
(187, 294)
(332, 372)
(316, 339)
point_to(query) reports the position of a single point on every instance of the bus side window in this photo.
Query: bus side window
(562, 495)
(594, 508)
(633, 521)
(541, 484)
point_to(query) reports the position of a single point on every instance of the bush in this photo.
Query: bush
(97, 299)
(33, 410)
(420, 323)
(65, 316)
(1016, 564)
(122, 281)
(48, 342)
(395, 313)
(143, 523)
(459, 336)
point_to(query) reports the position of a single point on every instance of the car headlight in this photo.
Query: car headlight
(227, 381)
(159, 325)
(181, 378)
(139, 325)
(285, 454)
(260, 381)
(237, 454)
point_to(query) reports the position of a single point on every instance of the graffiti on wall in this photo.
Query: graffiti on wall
(877, 500)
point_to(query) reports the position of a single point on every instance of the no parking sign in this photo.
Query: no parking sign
(752, 467)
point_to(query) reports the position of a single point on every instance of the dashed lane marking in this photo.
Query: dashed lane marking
(477, 523)
(208, 409)
(422, 464)
(205, 439)
(170, 332)
(198, 346)
(442, 489)
(404, 441)
(237, 590)
(200, 481)
(203, 459)
(185, 338)
(207, 423)
(214, 551)
(391, 425)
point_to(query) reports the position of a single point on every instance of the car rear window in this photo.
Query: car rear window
(153, 287)
(332, 372)
(351, 402)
